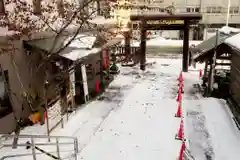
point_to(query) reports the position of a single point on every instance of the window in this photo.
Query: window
(218, 10)
(209, 10)
(193, 9)
(234, 10)
(214, 9)
(197, 9)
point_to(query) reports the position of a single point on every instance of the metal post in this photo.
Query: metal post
(185, 47)
(33, 149)
(46, 109)
(98, 8)
(58, 150)
(75, 148)
(205, 69)
(212, 67)
(143, 46)
(228, 12)
(127, 45)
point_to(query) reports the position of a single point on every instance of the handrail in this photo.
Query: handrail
(28, 154)
(36, 136)
(34, 146)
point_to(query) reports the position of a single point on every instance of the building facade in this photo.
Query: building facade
(214, 13)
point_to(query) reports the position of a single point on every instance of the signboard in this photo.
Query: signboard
(165, 22)
(72, 82)
(84, 79)
(105, 58)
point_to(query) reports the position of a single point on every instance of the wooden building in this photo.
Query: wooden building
(217, 58)
(234, 87)
(34, 82)
(226, 50)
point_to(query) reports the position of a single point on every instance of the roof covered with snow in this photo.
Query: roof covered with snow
(229, 30)
(234, 41)
(81, 46)
(208, 45)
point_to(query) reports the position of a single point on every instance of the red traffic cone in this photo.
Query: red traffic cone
(179, 135)
(200, 73)
(179, 97)
(180, 89)
(180, 79)
(179, 110)
(97, 88)
(183, 147)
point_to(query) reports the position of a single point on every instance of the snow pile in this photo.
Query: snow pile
(82, 41)
(160, 41)
(134, 119)
(100, 20)
(209, 135)
(229, 30)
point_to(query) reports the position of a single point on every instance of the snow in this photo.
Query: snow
(134, 119)
(228, 30)
(174, 43)
(80, 47)
(77, 54)
(100, 20)
(210, 129)
(234, 41)
(160, 41)
(82, 41)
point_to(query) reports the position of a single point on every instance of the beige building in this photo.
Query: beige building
(214, 13)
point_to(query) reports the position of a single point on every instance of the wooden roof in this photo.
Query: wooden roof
(207, 47)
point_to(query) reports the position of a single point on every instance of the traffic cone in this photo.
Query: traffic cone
(97, 87)
(181, 88)
(180, 79)
(183, 147)
(179, 97)
(179, 110)
(200, 73)
(179, 135)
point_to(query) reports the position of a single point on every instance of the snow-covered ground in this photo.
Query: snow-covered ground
(160, 41)
(134, 119)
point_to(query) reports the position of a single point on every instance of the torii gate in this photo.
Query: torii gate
(178, 21)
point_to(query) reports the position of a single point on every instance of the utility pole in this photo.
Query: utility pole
(212, 66)
(228, 12)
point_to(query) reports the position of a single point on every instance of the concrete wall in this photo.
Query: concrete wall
(17, 68)
(21, 75)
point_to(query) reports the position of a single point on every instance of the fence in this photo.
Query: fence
(121, 57)
(51, 150)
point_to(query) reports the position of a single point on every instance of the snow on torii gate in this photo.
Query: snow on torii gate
(178, 21)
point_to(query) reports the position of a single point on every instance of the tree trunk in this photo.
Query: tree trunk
(37, 7)
(2, 7)
(60, 8)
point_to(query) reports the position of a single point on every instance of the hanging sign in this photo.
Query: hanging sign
(166, 22)
(72, 81)
(105, 58)
(84, 79)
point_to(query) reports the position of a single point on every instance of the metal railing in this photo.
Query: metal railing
(50, 149)
(121, 56)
